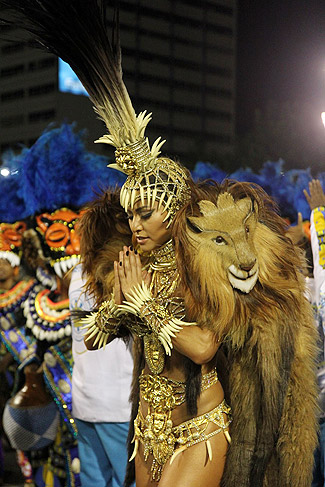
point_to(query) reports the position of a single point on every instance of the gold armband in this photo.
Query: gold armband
(154, 313)
(103, 323)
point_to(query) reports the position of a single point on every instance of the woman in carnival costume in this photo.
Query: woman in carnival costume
(220, 276)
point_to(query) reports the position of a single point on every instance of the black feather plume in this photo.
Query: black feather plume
(77, 32)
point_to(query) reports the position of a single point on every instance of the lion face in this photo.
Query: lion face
(226, 231)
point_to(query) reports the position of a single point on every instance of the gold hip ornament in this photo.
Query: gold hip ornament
(156, 431)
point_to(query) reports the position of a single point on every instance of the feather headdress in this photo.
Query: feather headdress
(77, 31)
(58, 171)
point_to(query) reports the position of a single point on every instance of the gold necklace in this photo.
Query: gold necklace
(164, 271)
(163, 284)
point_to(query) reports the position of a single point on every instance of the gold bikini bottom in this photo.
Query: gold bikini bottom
(156, 431)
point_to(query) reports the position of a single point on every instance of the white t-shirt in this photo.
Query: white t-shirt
(101, 379)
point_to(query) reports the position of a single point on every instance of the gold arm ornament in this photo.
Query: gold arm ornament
(103, 323)
(154, 313)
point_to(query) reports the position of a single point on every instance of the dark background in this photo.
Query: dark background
(281, 74)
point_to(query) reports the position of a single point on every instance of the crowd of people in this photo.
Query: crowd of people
(188, 297)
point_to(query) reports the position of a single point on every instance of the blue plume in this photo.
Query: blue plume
(246, 175)
(57, 171)
(12, 206)
(286, 188)
(206, 170)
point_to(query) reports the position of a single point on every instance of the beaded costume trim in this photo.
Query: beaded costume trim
(48, 320)
(12, 299)
(57, 369)
(18, 343)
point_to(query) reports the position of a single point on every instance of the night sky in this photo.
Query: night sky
(281, 57)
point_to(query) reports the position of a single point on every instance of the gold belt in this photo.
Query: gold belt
(164, 393)
(193, 431)
(156, 431)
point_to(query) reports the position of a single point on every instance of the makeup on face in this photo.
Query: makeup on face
(147, 226)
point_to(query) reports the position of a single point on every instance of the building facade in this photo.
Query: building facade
(179, 62)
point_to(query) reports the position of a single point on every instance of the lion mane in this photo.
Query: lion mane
(104, 230)
(269, 337)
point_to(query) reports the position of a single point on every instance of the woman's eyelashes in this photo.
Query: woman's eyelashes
(143, 216)
(146, 216)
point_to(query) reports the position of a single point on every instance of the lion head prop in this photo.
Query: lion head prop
(231, 238)
(242, 279)
(227, 229)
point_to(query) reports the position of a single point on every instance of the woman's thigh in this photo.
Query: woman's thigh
(143, 470)
(193, 468)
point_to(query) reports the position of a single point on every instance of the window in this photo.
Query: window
(12, 95)
(12, 47)
(41, 89)
(13, 121)
(12, 71)
(10, 145)
(41, 64)
(35, 117)
(6, 28)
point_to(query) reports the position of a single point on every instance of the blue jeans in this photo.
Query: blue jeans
(103, 453)
(319, 456)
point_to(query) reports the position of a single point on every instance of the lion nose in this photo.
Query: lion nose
(247, 267)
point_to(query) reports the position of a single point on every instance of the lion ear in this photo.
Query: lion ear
(207, 208)
(245, 205)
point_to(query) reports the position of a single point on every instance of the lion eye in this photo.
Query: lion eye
(247, 229)
(219, 240)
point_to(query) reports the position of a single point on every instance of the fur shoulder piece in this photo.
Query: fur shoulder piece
(104, 230)
(242, 278)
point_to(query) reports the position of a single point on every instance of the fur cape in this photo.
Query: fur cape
(270, 339)
(268, 335)
(104, 230)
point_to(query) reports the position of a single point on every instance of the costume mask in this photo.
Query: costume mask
(10, 241)
(60, 239)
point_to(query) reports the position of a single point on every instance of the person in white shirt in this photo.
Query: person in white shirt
(101, 382)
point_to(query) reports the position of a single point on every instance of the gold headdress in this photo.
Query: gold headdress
(150, 178)
(83, 43)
